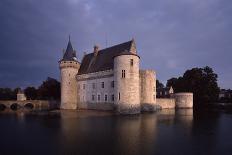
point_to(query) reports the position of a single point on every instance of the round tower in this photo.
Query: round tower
(147, 90)
(126, 77)
(184, 100)
(69, 67)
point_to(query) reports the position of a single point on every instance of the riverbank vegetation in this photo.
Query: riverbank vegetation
(202, 82)
(48, 90)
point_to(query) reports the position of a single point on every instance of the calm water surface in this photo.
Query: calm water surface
(70, 132)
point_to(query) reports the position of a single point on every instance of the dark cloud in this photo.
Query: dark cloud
(171, 36)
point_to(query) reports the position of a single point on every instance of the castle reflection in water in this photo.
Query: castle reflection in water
(122, 134)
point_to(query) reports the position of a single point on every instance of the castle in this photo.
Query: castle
(111, 79)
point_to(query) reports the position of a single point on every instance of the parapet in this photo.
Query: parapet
(72, 64)
(144, 71)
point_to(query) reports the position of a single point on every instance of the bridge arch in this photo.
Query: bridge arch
(2, 107)
(14, 106)
(29, 106)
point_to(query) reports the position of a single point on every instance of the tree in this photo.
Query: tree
(173, 82)
(49, 90)
(202, 82)
(31, 93)
(7, 94)
(159, 84)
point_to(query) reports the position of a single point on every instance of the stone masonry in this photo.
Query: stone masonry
(111, 79)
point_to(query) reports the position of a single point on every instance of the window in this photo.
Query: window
(98, 97)
(119, 96)
(106, 97)
(131, 62)
(112, 97)
(102, 84)
(93, 85)
(83, 86)
(93, 97)
(123, 73)
(112, 84)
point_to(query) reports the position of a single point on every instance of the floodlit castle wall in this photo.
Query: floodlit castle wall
(147, 90)
(69, 70)
(127, 91)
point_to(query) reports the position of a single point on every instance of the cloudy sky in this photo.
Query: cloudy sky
(171, 35)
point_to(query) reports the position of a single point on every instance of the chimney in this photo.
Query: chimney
(96, 49)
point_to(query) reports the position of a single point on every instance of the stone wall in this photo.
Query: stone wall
(166, 103)
(184, 100)
(127, 91)
(91, 92)
(69, 70)
(96, 106)
(21, 97)
(147, 90)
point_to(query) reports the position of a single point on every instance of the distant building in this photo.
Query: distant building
(225, 94)
(21, 96)
(164, 92)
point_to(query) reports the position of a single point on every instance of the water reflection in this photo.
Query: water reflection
(117, 134)
(166, 132)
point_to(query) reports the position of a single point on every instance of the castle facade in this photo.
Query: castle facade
(107, 79)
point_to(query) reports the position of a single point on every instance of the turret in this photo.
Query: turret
(147, 90)
(69, 67)
(126, 77)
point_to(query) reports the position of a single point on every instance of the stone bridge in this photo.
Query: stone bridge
(28, 104)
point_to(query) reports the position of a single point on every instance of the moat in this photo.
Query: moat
(90, 132)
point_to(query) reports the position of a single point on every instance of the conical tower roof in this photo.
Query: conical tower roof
(70, 53)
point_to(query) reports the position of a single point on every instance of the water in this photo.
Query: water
(70, 132)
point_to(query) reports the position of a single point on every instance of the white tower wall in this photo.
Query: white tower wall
(184, 100)
(69, 70)
(127, 94)
(147, 90)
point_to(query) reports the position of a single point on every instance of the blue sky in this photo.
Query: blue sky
(171, 35)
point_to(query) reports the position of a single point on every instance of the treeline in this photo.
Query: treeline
(202, 82)
(48, 90)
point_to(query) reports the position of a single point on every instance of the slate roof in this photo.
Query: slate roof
(70, 54)
(105, 58)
